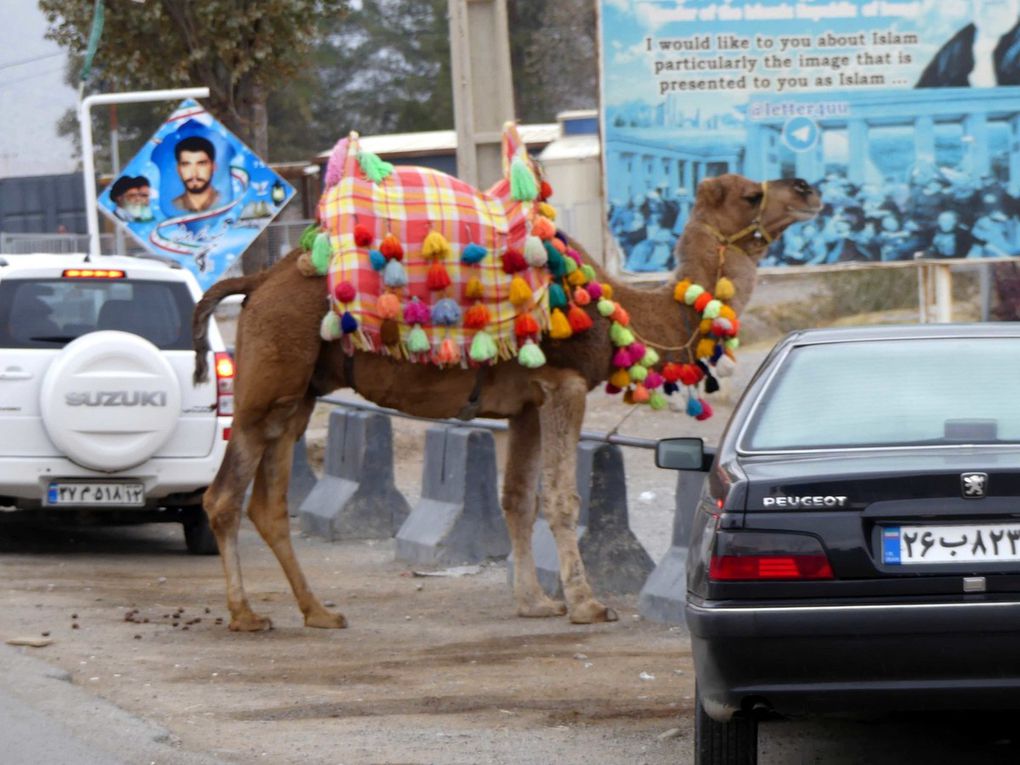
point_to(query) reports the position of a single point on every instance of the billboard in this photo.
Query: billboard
(904, 113)
(195, 194)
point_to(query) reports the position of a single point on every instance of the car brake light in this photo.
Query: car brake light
(224, 384)
(731, 568)
(93, 273)
(748, 556)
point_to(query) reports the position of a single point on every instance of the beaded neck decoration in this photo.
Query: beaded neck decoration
(710, 350)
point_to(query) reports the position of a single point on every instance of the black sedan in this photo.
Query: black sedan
(856, 546)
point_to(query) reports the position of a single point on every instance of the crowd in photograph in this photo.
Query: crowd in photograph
(939, 213)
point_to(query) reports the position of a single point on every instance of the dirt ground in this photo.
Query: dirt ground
(431, 670)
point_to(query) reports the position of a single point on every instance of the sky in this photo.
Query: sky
(33, 95)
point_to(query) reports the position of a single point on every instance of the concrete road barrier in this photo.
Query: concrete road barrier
(615, 560)
(302, 479)
(356, 497)
(664, 594)
(458, 519)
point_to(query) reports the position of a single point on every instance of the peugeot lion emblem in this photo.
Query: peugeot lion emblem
(974, 485)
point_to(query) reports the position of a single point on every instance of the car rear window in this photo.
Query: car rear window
(49, 313)
(890, 393)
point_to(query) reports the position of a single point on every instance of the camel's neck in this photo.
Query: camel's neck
(699, 255)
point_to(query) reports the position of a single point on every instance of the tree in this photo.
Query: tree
(240, 49)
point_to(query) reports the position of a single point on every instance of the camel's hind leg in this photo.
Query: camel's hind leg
(520, 506)
(268, 511)
(222, 502)
(561, 416)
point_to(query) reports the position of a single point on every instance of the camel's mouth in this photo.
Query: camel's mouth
(803, 213)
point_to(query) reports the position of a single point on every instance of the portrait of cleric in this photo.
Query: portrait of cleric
(983, 54)
(132, 197)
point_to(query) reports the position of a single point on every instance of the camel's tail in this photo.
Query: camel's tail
(241, 285)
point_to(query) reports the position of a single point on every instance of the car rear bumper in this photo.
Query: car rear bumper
(854, 658)
(24, 481)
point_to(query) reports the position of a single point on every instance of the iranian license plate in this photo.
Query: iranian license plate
(976, 543)
(96, 493)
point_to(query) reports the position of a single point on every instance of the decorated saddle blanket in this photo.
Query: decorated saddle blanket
(425, 267)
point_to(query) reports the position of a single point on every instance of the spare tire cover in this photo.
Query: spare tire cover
(110, 400)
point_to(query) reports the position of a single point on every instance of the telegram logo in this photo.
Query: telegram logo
(801, 134)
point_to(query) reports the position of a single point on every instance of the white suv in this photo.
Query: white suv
(97, 407)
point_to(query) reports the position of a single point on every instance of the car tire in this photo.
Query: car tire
(729, 743)
(198, 537)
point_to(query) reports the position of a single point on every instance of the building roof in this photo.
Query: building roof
(441, 141)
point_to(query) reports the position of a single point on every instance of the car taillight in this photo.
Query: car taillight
(224, 384)
(748, 556)
(93, 273)
(746, 568)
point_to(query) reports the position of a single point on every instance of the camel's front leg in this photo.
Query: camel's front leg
(520, 505)
(561, 416)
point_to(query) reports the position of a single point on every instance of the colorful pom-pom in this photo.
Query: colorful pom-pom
(545, 190)
(692, 293)
(705, 327)
(607, 290)
(702, 301)
(543, 228)
(557, 296)
(322, 251)
(448, 352)
(556, 242)
(348, 323)
(569, 265)
(725, 367)
(534, 252)
(473, 253)
(435, 246)
(416, 312)
(706, 348)
(530, 355)
(690, 374)
(637, 373)
(394, 275)
(513, 261)
(680, 290)
(307, 240)
(711, 384)
(417, 340)
(672, 372)
(636, 351)
(525, 326)
(694, 407)
(641, 394)
(329, 329)
(391, 248)
(477, 317)
(620, 335)
(375, 169)
(579, 319)
(344, 291)
(650, 359)
(670, 388)
(611, 389)
(474, 290)
(446, 313)
(657, 401)
(606, 307)
(594, 289)
(733, 343)
(483, 347)
(621, 359)
(620, 379)
(377, 260)
(724, 289)
(653, 380)
(620, 315)
(546, 209)
(388, 306)
(576, 278)
(437, 278)
(362, 235)
(706, 410)
(711, 309)
(581, 296)
(588, 270)
(523, 187)
(720, 327)
(555, 262)
(559, 327)
(520, 292)
(727, 313)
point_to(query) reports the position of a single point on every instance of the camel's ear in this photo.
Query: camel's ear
(711, 192)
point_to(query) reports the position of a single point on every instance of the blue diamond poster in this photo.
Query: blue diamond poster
(195, 194)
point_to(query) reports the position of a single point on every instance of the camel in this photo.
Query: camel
(283, 365)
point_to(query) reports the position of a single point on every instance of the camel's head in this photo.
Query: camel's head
(750, 214)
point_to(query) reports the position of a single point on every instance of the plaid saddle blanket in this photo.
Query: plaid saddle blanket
(425, 267)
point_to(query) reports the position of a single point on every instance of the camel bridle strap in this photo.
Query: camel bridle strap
(756, 228)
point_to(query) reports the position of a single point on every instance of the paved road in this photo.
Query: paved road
(46, 720)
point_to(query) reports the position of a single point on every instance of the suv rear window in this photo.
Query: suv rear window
(49, 313)
(885, 393)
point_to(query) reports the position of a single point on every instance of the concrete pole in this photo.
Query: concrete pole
(483, 93)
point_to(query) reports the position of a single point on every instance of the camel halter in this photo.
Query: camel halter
(756, 228)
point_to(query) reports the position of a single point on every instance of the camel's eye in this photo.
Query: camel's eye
(754, 198)
(801, 186)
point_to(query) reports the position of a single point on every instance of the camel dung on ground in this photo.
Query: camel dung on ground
(283, 365)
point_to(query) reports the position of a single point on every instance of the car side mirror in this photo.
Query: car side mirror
(682, 454)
